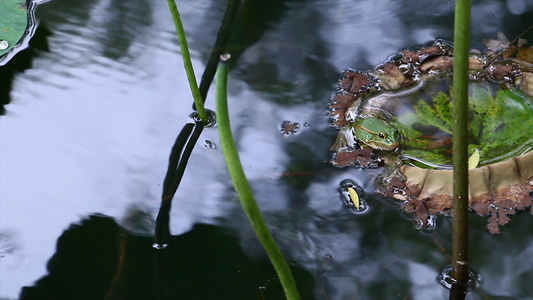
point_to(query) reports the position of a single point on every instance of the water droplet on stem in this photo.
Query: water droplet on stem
(446, 280)
(211, 118)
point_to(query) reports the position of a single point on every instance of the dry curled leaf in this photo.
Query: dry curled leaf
(501, 44)
(420, 55)
(392, 77)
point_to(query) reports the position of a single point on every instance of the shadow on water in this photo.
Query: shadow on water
(97, 259)
(96, 116)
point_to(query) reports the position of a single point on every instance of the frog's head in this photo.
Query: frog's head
(376, 133)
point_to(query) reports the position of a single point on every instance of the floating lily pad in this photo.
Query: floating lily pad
(14, 23)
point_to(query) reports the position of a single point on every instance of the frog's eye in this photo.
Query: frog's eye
(381, 135)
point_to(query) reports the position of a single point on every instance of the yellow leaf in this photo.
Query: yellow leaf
(473, 161)
(354, 197)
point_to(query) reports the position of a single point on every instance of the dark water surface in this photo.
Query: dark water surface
(86, 137)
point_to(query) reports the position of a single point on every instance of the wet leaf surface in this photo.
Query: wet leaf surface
(13, 23)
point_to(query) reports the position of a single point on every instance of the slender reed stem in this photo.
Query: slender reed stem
(187, 61)
(460, 146)
(242, 186)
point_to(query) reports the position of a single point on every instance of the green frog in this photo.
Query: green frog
(374, 132)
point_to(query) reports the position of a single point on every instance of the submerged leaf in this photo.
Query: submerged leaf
(500, 126)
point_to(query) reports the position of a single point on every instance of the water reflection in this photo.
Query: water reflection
(125, 23)
(92, 122)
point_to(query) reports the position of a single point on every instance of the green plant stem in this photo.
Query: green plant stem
(187, 61)
(243, 189)
(460, 143)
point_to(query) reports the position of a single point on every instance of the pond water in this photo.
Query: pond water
(86, 136)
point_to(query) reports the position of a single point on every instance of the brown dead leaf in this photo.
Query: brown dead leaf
(393, 77)
(360, 158)
(339, 117)
(339, 107)
(344, 101)
(354, 81)
(421, 55)
(502, 217)
(475, 63)
(481, 209)
(409, 57)
(346, 84)
(439, 63)
(497, 45)
(525, 54)
(492, 224)
(408, 206)
(422, 214)
(397, 183)
(344, 159)
(509, 52)
(499, 71)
